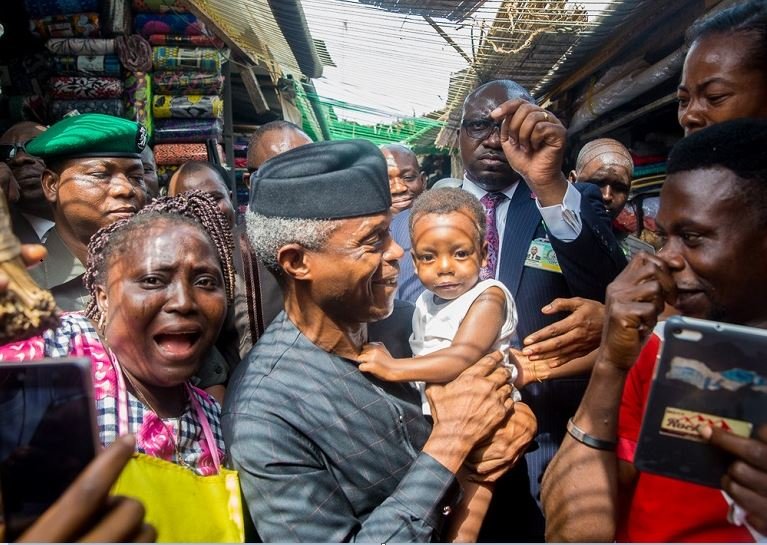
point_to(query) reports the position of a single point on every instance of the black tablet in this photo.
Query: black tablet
(708, 373)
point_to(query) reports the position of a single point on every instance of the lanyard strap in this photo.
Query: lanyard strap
(123, 411)
(212, 445)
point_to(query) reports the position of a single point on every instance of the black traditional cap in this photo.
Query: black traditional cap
(326, 180)
(90, 135)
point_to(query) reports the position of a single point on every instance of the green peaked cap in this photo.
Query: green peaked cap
(90, 135)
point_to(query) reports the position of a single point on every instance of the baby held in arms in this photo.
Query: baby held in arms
(458, 319)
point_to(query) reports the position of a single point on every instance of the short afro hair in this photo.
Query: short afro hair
(736, 145)
(446, 200)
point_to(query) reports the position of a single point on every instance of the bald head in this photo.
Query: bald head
(27, 169)
(273, 139)
(608, 164)
(22, 132)
(406, 181)
(150, 174)
(480, 144)
(605, 150)
(508, 88)
(205, 177)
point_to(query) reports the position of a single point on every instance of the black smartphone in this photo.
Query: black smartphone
(708, 373)
(48, 435)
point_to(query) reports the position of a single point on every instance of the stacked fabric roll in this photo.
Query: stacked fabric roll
(24, 81)
(187, 82)
(87, 77)
(64, 18)
(638, 216)
(86, 70)
(240, 147)
(136, 56)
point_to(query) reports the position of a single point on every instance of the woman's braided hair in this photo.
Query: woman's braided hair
(197, 206)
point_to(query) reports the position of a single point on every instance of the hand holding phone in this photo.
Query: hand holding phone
(709, 374)
(47, 435)
(86, 512)
(746, 478)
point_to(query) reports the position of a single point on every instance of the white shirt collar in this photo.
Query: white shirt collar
(40, 225)
(478, 192)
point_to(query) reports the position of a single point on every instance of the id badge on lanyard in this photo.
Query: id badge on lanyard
(541, 255)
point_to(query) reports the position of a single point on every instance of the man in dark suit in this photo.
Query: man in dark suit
(512, 153)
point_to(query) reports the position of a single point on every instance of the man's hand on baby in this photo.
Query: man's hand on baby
(501, 451)
(377, 361)
(528, 371)
(572, 337)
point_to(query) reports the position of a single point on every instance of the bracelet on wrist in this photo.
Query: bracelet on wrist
(589, 440)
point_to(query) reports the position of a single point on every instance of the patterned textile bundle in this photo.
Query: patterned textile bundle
(165, 172)
(649, 170)
(27, 75)
(42, 8)
(159, 6)
(74, 87)
(59, 108)
(134, 52)
(177, 154)
(96, 65)
(186, 41)
(80, 46)
(27, 108)
(182, 24)
(117, 17)
(138, 97)
(183, 59)
(192, 106)
(187, 130)
(188, 83)
(79, 25)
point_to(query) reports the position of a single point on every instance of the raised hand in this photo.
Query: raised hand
(634, 301)
(534, 141)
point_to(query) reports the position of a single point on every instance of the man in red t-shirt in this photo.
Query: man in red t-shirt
(713, 219)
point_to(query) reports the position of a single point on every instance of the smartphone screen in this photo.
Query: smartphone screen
(47, 435)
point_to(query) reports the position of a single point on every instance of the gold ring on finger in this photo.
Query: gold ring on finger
(546, 116)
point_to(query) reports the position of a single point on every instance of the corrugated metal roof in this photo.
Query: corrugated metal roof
(252, 26)
(453, 10)
(530, 42)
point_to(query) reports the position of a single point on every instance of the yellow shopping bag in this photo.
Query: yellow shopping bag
(183, 506)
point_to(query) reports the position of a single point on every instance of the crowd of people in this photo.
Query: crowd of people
(385, 363)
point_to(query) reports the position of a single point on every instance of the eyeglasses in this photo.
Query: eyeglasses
(480, 129)
(9, 151)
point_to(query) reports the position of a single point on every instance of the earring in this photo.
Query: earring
(102, 324)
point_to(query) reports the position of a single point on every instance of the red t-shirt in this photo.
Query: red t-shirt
(664, 509)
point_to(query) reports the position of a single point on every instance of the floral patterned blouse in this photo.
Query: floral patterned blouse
(157, 437)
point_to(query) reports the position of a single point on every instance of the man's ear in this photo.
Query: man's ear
(293, 259)
(572, 177)
(50, 182)
(246, 179)
(483, 254)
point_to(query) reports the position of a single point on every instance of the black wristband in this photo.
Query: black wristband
(589, 440)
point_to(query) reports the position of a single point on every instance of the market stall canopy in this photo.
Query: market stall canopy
(273, 33)
(539, 44)
(451, 10)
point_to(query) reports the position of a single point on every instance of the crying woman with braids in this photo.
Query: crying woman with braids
(160, 282)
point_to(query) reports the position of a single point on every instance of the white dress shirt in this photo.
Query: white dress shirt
(563, 221)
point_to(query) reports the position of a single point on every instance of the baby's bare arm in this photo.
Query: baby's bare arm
(475, 338)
